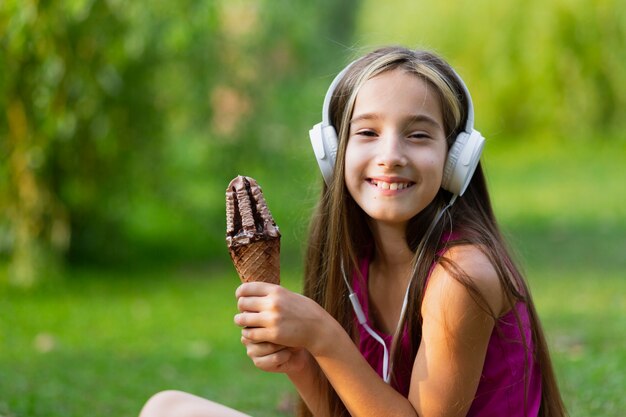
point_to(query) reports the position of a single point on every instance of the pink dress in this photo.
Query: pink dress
(502, 390)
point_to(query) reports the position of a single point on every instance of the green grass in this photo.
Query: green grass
(102, 342)
(99, 343)
(584, 318)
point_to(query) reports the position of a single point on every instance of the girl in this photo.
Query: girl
(412, 305)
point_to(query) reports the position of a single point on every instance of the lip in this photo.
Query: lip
(373, 181)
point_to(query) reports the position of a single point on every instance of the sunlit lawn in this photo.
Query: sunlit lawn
(99, 343)
(102, 343)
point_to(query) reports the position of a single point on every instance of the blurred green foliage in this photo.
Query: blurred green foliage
(122, 122)
(551, 68)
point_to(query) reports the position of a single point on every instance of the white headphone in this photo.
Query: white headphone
(463, 156)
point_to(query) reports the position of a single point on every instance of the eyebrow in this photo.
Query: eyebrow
(413, 118)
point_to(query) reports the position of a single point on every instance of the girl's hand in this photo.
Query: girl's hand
(276, 358)
(273, 314)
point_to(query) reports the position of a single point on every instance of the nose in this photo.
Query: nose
(391, 152)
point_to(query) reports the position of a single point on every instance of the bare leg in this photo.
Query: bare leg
(181, 404)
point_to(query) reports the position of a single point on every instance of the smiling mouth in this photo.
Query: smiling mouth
(384, 185)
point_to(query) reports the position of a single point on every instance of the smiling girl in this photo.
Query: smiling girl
(412, 305)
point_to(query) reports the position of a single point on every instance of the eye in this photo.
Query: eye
(366, 133)
(419, 135)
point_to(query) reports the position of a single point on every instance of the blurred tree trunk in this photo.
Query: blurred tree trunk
(30, 206)
(38, 223)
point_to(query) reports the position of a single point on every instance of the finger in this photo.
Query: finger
(251, 289)
(256, 333)
(274, 362)
(251, 319)
(262, 348)
(243, 319)
(252, 304)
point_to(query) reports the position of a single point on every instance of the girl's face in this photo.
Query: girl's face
(396, 148)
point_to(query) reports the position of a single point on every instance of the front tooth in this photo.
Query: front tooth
(393, 186)
(383, 185)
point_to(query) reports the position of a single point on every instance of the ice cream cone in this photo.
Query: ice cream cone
(258, 261)
(252, 236)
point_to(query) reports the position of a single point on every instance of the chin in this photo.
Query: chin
(391, 218)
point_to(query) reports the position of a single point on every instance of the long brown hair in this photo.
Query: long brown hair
(339, 230)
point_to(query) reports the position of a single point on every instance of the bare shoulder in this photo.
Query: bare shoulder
(478, 270)
(456, 329)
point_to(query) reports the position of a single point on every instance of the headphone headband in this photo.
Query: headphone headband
(469, 123)
(329, 94)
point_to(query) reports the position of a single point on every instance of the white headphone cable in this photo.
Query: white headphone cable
(360, 315)
(420, 250)
(358, 310)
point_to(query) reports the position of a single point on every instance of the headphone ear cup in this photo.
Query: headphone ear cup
(463, 158)
(324, 142)
(451, 161)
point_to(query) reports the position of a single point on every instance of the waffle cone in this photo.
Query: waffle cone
(258, 261)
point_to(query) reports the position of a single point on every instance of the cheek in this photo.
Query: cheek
(434, 164)
(349, 172)
(437, 166)
(353, 163)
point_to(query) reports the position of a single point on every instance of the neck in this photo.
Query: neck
(392, 251)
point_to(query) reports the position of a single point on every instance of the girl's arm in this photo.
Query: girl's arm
(448, 365)
(457, 326)
(274, 314)
(296, 362)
